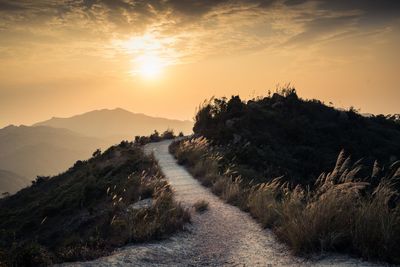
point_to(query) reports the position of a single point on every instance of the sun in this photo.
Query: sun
(149, 54)
(148, 66)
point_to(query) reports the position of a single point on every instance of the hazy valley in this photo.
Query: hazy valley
(50, 147)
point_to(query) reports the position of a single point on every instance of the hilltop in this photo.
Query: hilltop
(284, 135)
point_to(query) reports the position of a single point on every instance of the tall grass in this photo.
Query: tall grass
(345, 210)
(88, 211)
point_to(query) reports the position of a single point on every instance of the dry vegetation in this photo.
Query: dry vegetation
(156, 137)
(201, 206)
(89, 210)
(344, 210)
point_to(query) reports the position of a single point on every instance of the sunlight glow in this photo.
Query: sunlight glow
(148, 66)
(150, 54)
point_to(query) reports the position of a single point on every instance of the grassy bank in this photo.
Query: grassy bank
(349, 209)
(114, 198)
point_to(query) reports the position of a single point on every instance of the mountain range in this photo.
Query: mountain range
(11, 182)
(50, 147)
(116, 124)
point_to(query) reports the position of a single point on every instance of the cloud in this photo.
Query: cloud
(10, 6)
(200, 28)
(324, 28)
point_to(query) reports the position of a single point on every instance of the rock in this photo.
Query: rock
(141, 204)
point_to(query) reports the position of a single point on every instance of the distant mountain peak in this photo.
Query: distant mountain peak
(11, 126)
(116, 124)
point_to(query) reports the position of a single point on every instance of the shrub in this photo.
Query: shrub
(155, 137)
(168, 134)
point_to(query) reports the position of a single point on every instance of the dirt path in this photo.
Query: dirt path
(222, 236)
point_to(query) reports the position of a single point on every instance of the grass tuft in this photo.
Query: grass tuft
(201, 206)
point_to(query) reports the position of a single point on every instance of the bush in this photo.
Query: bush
(155, 137)
(168, 134)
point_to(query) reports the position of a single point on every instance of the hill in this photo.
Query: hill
(116, 124)
(11, 182)
(299, 139)
(30, 151)
(88, 210)
(280, 158)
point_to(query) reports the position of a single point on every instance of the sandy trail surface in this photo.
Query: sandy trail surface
(221, 236)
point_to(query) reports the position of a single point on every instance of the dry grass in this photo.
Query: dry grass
(201, 206)
(263, 205)
(343, 210)
(87, 211)
(155, 222)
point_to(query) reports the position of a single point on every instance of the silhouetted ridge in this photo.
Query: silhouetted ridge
(283, 134)
(117, 124)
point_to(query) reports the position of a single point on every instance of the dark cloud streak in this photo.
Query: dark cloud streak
(10, 6)
(385, 9)
(318, 19)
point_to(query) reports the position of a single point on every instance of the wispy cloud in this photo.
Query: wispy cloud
(198, 28)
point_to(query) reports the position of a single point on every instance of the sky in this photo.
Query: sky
(164, 57)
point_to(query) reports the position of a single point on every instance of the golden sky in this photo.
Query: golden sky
(164, 57)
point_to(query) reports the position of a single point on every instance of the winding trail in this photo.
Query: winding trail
(221, 236)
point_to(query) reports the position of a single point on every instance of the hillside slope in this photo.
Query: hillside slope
(30, 151)
(285, 135)
(87, 211)
(280, 158)
(220, 236)
(117, 124)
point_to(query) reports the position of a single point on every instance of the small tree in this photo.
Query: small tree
(40, 179)
(168, 134)
(155, 137)
(96, 153)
